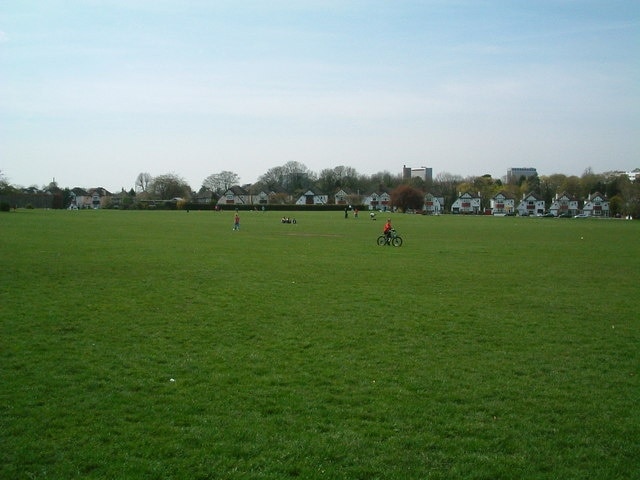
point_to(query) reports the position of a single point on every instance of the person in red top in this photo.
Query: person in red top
(387, 229)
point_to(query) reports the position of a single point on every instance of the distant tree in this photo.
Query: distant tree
(591, 182)
(571, 185)
(448, 186)
(143, 180)
(5, 187)
(486, 187)
(613, 185)
(168, 186)
(273, 178)
(327, 180)
(220, 182)
(292, 177)
(531, 184)
(405, 197)
(630, 192)
(616, 205)
(126, 202)
(331, 179)
(297, 177)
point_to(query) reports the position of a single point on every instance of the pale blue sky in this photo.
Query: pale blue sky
(93, 92)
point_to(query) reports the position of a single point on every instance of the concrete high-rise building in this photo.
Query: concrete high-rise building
(424, 173)
(514, 173)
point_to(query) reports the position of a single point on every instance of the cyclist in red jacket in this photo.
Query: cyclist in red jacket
(387, 229)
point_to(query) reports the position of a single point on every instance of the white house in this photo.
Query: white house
(378, 201)
(531, 204)
(564, 204)
(235, 195)
(596, 205)
(341, 197)
(466, 203)
(93, 198)
(260, 198)
(502, 204)
(310, 198)
(433, 205)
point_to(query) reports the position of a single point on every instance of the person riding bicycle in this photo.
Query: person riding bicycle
(388, 228)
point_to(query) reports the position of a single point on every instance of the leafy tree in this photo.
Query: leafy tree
(630, 192)
(5, 186)
(220, 182)
(168, 186)
(571, 185)
(331, 179)
(405, 197)
(292, 177)
(531, 184)
(487, 187)
(616, 205)
(591, 183)
(327, 180)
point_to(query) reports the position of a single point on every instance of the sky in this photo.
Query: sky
(94, 92)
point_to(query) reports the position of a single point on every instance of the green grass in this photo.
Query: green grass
(482, 348)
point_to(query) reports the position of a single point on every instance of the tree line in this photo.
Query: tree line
(287, 182)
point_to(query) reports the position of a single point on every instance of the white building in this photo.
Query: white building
(531, 204)
(378, 201)
(515, 173)
(466, 203)
(564, 204)
(424, 173)
(502, 204)
(596, 205)
(311, 198)
(433, 205)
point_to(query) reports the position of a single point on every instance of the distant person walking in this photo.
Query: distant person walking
(236, 222)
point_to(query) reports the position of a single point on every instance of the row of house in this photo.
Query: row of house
(237, 195)
(596, 205)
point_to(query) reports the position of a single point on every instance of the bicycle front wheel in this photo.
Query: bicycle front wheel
(397, 241)
(381, 240)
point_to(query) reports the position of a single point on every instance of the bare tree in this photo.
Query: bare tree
(143, 181)
(221, 182)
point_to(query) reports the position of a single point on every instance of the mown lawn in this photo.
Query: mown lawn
(165, 345)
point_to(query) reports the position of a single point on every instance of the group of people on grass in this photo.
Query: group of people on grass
(386, 230)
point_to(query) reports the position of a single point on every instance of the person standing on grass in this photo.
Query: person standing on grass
(236, 222)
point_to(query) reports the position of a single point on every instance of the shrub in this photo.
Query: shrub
(4, 207)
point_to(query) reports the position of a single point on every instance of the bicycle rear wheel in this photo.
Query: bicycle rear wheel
(381, 240)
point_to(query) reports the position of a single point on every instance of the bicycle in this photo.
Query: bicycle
(393, 239)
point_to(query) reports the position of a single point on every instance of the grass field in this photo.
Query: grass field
(165, 345)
